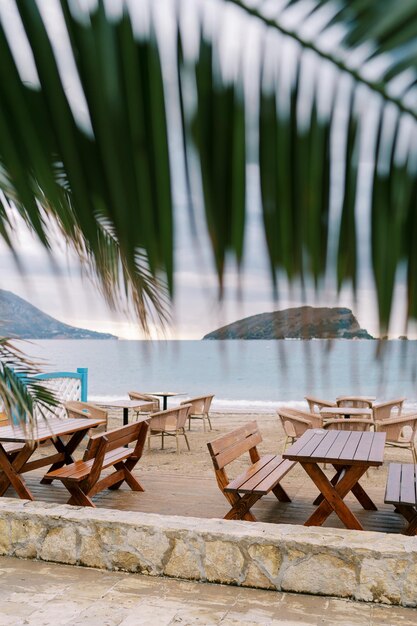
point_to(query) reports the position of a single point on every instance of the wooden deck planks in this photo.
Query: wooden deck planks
(200, 497)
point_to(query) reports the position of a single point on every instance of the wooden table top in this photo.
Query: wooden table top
(339, 447)
(167, 394)
(366, 398)
(45, 429)
(124, 404)
(344, 410)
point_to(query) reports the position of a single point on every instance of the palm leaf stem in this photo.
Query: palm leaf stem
(379, 87)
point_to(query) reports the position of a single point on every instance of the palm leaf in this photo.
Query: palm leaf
(19, 391)
(107, 179)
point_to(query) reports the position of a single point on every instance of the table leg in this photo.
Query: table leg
(334, 482)
(363, 498)
(11, 472)
(125, 416)
(333, 495)
(165, 403)
(358, 491)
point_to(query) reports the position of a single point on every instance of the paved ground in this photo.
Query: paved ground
(44, 594)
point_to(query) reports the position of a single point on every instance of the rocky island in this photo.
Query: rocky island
(19, 318)
(305, 322)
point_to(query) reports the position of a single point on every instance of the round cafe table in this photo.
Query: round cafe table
(164, 395)
(344, 411)
(125, 405)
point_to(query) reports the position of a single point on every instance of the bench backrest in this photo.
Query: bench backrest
(115, 438)
(230, 447)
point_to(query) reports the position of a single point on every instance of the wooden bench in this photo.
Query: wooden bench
(401, 492)
(263, 475)
(82, 478)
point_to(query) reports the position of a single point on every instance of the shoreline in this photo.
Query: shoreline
(198, 458)
(241, 407)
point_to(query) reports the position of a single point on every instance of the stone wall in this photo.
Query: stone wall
(366, 566)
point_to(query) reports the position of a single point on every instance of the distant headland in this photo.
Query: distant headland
(305, 322)
(19, 318)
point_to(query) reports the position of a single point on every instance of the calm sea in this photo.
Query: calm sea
(244, 375)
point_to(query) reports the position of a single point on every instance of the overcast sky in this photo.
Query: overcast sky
(69, 296)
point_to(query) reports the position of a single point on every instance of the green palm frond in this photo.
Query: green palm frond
(19, 391)
(324, 105)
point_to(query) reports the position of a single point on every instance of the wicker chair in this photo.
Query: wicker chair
(354, 423)
(295, 423)
(200, 407)
(315, 404)
(356, 403)
(400, 432)
(78, 409)
(153, 406)
(170, 422)
(382, 410)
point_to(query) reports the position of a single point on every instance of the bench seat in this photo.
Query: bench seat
(401, 492)
(262, 476)
(79, 470)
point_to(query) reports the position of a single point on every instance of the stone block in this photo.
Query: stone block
(150, 547)
(26, 529)
(124, 559)
(255, 578)
(26, 537)
(184, 561)
(5, 540)
(92, 553)
(59, 545)
(267, 557)
(223, 562)
(382, 580)
(320, 574)
(409, 586)
(111, 535)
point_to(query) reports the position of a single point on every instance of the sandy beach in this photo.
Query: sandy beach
(197, 462)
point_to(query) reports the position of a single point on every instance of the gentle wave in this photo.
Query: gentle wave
(221, 405)
(224, 405)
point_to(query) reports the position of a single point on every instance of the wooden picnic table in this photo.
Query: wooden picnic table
(52, 429)
(351, 453)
